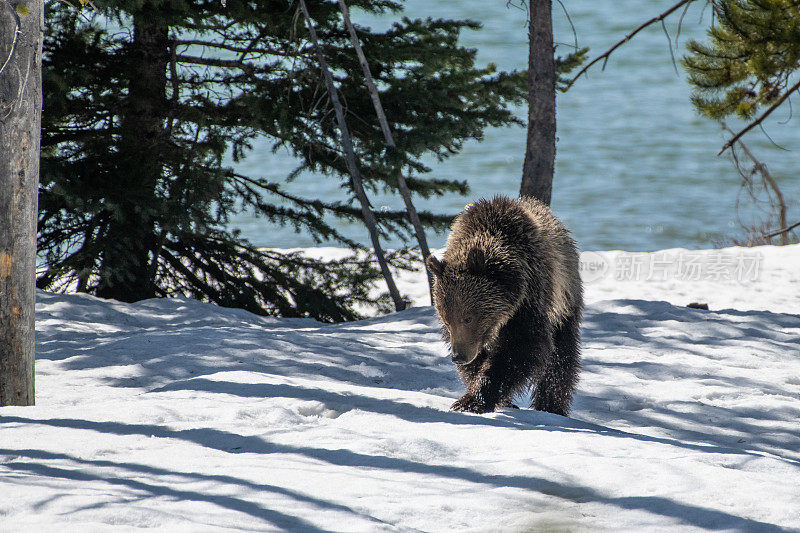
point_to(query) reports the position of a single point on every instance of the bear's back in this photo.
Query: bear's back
(525, 235)
(563, 257)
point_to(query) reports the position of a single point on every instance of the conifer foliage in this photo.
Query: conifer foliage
(145, 99)
(752, 51)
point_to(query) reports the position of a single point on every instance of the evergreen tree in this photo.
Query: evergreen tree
(753, 50)
(745, 70)
(144, 98)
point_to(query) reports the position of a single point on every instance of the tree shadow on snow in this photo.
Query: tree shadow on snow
(699, 418)
(405, 357)
(120, 473)
(233, 443)
(515, 419)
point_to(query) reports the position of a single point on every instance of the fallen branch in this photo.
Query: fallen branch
(350, 159)
(413, 217)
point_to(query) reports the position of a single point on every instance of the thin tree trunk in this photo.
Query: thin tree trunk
(413, 217)
(540, 151)
(20, 127)
(350, 159)
(127, 267)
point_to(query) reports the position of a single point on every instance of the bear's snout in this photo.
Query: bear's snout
(463, 353)
(458, 358)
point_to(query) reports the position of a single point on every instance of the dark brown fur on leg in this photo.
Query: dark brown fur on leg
(523, 349)
(555, 389)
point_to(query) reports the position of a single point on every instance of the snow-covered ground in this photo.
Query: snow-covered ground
(182, 416)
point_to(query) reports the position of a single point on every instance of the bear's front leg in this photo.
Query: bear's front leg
(469, 403)
(495, 381)
(483, 395)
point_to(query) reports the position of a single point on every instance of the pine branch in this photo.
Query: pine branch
(216, 62)
(760, 119)
(239, 49)
(274, 188)
(768, 179)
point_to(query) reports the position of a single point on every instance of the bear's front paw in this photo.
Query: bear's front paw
(470, 404)
(508, 404)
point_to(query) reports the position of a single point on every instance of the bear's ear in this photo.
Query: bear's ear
(435, 266)
(476, 262)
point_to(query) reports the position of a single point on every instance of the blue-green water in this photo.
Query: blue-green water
(636, 168)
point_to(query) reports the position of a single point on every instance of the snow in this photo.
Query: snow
(176, 415)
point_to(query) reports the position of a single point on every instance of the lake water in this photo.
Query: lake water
(636, 168)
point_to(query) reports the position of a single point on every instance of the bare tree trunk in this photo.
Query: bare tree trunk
(20, 126)
(540, 151)
(350, 158)
(387, 134)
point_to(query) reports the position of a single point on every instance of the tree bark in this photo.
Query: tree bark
(540, 150)
(130, 242)
(20, 125)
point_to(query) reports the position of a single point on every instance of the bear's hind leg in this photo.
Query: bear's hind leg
(555, 388)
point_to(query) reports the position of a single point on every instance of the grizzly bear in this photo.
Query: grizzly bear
(509, 295)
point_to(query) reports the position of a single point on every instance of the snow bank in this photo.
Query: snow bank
(182, 416)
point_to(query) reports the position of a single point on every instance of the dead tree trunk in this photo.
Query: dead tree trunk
(21, 27)
(352, 167)
(413, 217)
(540, 151)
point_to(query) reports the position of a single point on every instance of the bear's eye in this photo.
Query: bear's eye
(468, 320)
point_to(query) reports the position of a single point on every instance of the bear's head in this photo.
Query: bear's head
(474, 301)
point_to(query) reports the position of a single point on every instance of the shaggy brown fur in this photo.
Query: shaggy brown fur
(509, 295)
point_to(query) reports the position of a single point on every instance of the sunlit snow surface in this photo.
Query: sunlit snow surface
(182, 416)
